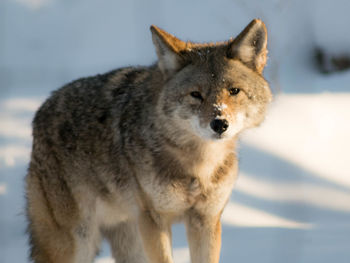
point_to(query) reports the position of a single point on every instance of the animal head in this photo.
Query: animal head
(213, 91)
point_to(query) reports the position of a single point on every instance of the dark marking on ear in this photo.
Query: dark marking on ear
(169, 51)
(258, 41)
(250, 46)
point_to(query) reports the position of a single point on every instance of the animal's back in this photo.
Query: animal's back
(79, 111)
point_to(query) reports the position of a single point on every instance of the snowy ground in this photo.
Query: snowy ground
(292, 199)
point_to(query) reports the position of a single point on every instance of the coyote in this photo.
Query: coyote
(123, 155)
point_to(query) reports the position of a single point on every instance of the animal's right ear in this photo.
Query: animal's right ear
(168, 50)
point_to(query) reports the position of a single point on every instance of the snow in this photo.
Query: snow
(295, 193)
(2, 189)
(244, 216)
(310, 131)
(292, 199)
(12, 154)
(34, 4)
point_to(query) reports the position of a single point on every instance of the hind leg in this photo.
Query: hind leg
(59, 245)
(125, 243)
(50, 241)
(55, 243)
(57, 232)
(50, 244)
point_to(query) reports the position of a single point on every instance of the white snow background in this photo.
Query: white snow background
(292, 199)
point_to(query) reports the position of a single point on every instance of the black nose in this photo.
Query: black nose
(219, 125)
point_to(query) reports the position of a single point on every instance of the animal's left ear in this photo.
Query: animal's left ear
(168, 50)
(250, 46)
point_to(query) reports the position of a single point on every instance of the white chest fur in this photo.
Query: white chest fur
(175, 197)
(212, 155)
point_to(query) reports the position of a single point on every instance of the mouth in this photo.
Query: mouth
(217, 136)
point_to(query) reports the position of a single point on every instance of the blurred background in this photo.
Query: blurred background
(292, 199)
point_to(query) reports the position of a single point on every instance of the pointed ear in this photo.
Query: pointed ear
(250, 46)
(168, 50)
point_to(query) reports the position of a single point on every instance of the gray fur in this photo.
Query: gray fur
(113, 155)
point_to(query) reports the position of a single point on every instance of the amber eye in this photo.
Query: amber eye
(234, 91)
(197, 95)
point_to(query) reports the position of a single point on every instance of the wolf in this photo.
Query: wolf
(123, 155)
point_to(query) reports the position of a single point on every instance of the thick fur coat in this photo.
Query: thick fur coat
(125, 154)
